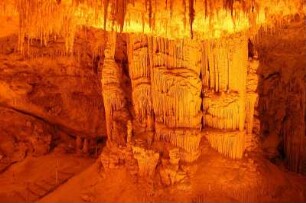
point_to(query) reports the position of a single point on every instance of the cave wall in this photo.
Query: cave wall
(48, 88)
(53, 89)
(282, 94)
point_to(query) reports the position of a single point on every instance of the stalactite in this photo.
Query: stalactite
(191, 16)
(44, 19)
(202, 19)
(206, 8)
(229, 4)
(106, 4)
(150, 13)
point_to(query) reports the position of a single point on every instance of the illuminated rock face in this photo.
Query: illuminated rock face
(49, 85)
(224, 80)
(179, 89)
(183, 89)
(140, 74)
(187, 64)
(176, 90)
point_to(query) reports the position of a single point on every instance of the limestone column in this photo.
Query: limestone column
(252, 136)
(176, 94)
(224, 81)
(116, 112)
(140, 74)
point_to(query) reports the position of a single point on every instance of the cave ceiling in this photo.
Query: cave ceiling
(172, 19)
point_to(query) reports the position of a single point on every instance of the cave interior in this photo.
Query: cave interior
(152, 101)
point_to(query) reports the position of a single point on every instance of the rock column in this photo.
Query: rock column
(116, 111)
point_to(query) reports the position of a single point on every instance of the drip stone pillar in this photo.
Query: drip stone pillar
(224, 70)
(116, 112)
(140, 73)
(176, 94)
(251, 106)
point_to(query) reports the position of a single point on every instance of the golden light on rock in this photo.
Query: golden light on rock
(152, 101)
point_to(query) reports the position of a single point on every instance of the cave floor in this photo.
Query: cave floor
(213, 178)
(34, 177)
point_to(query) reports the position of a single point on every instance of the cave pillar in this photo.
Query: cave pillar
(140, 74)
(224, 76)
(116, 112)
(176, 94)
(252, 121)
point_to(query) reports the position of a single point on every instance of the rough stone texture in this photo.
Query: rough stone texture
(176, 19)
(64, 92)
(147, 160)
(176, 90)
(222, 110)
(115, 102)
(176, 85)
(252, 119)
(224, 78)
(140, 74)
(22, 134)
(282, 94)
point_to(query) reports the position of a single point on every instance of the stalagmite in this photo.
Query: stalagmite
(147, 160)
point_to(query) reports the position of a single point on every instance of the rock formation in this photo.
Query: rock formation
(116, 114)
(158, 90)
